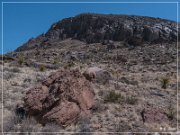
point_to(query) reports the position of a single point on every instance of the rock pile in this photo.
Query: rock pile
(63, 97)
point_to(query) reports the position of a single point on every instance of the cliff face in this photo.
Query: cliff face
(97, 28)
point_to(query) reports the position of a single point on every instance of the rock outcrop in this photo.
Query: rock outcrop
(97, 28)
(155, 115)
(63, 97)
(97, 74)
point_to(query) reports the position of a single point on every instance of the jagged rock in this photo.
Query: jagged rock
(98, 28)
(62, 97)
(97, 74)
(74, 56)
(150, 33)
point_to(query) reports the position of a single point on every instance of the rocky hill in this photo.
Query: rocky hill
(94, 73)
(98, 28)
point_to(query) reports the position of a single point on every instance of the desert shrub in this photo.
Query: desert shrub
(84, 126)
(20, 60)
(15, 123)
(28, 80)
(14, 69)
(171, 112)
(42, 68)
(6, 58)
(9, 124)
(55, 61)
(120, 58)
(131, 100)
(8, 75)
(122, 127)
(51, 127)
(69, 65)
(116, 74)
(40, 77)
(113, 97)
(164, 83)
(98, 107)
(103, 78)
(29, 125)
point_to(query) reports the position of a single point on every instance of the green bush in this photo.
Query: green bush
(42, 68)
(165, 83)
(113, 97)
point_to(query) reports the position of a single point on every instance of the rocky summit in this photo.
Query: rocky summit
(94, 73)
(97, 28)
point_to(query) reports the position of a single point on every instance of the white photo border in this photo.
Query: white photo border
(47, 2)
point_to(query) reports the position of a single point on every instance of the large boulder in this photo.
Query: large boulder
(63, 97)
(97, 74)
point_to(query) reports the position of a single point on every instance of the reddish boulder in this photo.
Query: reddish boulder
(62, 97)
(34, 99)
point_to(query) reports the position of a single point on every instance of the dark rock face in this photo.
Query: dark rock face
(96, 28)
(62, 97)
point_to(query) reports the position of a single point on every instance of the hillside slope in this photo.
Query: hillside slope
(139, 94)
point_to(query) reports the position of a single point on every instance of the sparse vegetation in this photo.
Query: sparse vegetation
(84, 126)
(8, 75)
(55, 61)
(98, 107)
(14, 69)
(165, 82)
(171, 112)
(69, 65)
(123, 100)
(10, 123)
(42, 68)
(20, 60)
(113, 97)
(51, 127)
(132, 100)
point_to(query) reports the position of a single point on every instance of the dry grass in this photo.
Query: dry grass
(113, 97)
(135, 85)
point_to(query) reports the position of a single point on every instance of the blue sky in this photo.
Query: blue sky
(24, 21)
